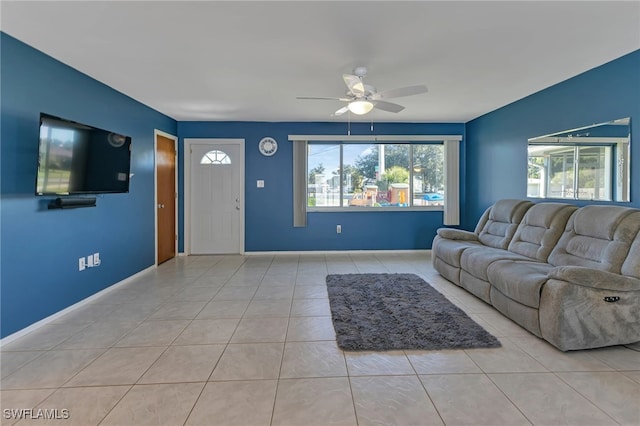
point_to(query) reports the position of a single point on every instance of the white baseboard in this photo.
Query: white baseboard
(323, 252)
(10, 338)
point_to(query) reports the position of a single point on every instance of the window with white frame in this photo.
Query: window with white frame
(375, 175)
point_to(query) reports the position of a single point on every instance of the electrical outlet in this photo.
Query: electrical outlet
(90, 261)
(260, 183)
(339, 229)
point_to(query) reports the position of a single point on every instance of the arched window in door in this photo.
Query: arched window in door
(215, 157)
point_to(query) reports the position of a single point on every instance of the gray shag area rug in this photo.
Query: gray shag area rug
(378, 312)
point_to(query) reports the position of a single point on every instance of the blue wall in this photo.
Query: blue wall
(269, 211)
(497, 142)
(40, 247)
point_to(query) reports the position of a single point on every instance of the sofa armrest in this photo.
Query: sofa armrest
(457, 234)
(594, 278)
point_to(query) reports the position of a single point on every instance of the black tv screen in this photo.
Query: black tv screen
(76, 158)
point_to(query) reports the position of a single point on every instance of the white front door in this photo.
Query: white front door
(216, 197)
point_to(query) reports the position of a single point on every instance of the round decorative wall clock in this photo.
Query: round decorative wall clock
(268, 146)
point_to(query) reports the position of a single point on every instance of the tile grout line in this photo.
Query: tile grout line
(585, 396)
(207, 381)
(509, 399)
(275, 394)
(360, 264)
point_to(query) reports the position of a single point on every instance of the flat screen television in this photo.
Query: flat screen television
(75, 158)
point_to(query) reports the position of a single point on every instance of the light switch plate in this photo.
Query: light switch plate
(260, 183)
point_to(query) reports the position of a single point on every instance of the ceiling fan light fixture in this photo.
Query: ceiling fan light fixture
(360, 107)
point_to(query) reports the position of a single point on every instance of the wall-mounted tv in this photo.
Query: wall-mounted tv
(75, 158)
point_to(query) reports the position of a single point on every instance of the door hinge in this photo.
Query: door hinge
(176, 237)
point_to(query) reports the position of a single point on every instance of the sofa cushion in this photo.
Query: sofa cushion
(457, 234)
(476, 260)
(502, 222)
(631, 265)
(452, 273)
(450, 251)
(521, 281)
(478, 287)
(540, 229)
(526, 316)
(598, 237)
(482, 221)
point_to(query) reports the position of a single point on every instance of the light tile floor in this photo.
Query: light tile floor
(248, 340)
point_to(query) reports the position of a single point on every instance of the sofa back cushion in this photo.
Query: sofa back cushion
(631, 265)
(502, 220)
(597, 237)
(540, 230)
(483, 221)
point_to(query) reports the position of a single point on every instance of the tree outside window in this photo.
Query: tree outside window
(375, 175)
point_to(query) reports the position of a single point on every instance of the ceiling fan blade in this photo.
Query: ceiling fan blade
(354, 84)
(400, 92)
(388, 106)
(324, 98)
(341, 111)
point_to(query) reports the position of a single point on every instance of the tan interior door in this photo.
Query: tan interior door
(166, 196)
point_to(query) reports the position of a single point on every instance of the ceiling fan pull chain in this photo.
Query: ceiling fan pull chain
(372, 126)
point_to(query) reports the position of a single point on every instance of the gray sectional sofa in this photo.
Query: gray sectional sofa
(569, 275)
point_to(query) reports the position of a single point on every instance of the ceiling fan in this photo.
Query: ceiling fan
(362, 98)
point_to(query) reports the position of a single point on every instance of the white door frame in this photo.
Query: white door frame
(187, 185)
(157, 133)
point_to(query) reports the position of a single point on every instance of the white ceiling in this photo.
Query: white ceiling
(241, 60)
